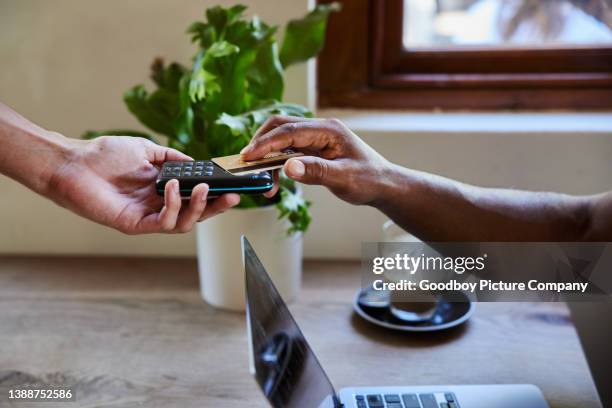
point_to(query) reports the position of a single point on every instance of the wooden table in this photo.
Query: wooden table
(134, 332)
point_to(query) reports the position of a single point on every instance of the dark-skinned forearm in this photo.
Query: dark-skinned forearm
(438, 209)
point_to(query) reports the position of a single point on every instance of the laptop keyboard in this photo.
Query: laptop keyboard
(429, 400)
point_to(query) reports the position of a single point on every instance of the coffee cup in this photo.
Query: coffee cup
(414, 305)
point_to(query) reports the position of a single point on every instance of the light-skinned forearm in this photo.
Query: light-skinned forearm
(30, 154)
(438, 209)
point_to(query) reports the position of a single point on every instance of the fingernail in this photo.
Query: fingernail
(296, 168)
(246, 149)
(175, 187)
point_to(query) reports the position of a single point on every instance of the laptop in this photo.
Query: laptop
(290, 375)
(592, 323)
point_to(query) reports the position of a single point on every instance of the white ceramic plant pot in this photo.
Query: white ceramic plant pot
(220, 257)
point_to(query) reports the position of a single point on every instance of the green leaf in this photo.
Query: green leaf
(236, 72)
(152, 115)
(167, 77)
(197, 82)
(163, 110)
(245, 124)
(304, 38)
(254, 201)
(203, 33)
(221, 49)
(259, 116)
(294, 208)
(92, 134)
(265, 76)
(217, 18)
(238, 125)
(212, 73)
(184, 120)
(202, 82)
(220, 17)
(235, 12)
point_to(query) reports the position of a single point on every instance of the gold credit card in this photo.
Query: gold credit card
(274, 160)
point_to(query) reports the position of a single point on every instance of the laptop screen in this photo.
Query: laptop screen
(285, 366)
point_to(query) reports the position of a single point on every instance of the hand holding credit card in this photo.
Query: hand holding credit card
(274, 160)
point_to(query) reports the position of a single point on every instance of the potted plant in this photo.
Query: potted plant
(212, 109)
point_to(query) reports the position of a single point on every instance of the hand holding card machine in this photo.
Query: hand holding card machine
(191, 173)
(229, 174)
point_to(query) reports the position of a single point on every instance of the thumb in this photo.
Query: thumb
(312, 170)
(160, 154)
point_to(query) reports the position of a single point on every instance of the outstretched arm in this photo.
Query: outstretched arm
(431, 207)
(440, 209)
(109, 180)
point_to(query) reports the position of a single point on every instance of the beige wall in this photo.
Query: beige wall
(65, 64)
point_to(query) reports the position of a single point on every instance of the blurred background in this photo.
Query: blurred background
(528, 23)
(66, 63)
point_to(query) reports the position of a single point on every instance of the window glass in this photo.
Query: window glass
(507, 23)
